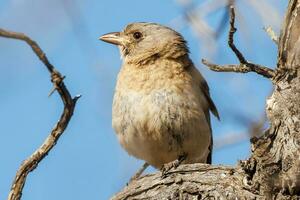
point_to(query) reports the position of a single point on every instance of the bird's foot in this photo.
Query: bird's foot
(171, 165)
(138, 173)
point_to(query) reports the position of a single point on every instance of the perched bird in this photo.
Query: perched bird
(161, 103)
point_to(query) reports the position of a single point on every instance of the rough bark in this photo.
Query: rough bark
(273, 169)
(194, 181)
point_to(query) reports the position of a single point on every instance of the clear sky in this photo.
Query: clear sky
(87, 162)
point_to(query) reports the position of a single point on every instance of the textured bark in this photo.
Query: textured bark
(273, 169)
(193, 181)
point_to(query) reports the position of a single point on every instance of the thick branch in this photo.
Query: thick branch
(193, 181)
(69, 104)
(244, 66)
(289, 41)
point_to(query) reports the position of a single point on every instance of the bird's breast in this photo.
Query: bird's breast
(157, 118)
(150, 112)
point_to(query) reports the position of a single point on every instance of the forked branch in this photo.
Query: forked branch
(69, 104)
(244, 66)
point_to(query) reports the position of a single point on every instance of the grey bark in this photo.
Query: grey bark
(273, 169)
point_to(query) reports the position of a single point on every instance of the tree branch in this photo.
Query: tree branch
(241, 68)
(244, 66)
(69, 105)
(192, 181)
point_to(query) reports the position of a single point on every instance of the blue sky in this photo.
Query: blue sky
(87, 162)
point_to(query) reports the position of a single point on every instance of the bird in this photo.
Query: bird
(161, 105)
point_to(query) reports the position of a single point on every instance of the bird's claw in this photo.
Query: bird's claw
(168, 166)
(172, 165)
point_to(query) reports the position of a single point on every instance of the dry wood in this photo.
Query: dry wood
(244, 66)
(69, 105)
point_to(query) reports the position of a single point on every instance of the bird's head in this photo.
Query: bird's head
(140, 42)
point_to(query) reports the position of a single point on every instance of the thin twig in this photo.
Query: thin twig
(69, 104)
(244, 66)
(232, 30)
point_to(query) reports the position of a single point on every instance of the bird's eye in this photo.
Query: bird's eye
(137, 35)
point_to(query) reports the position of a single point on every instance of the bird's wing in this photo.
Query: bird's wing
(211, 106)
(194, 72)
(205, 90)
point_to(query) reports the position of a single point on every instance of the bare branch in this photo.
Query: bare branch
(244, 66)
(232, 30)
(69, 104)
(241, 68)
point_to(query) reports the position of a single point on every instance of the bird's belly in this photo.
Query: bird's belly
(160, 126)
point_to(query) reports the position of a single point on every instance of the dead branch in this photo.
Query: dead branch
(69, 105)
(244, 66)
(241, 68)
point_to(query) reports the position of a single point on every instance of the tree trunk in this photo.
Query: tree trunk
(273, 170)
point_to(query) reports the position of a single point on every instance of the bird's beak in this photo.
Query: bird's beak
(113, 38)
